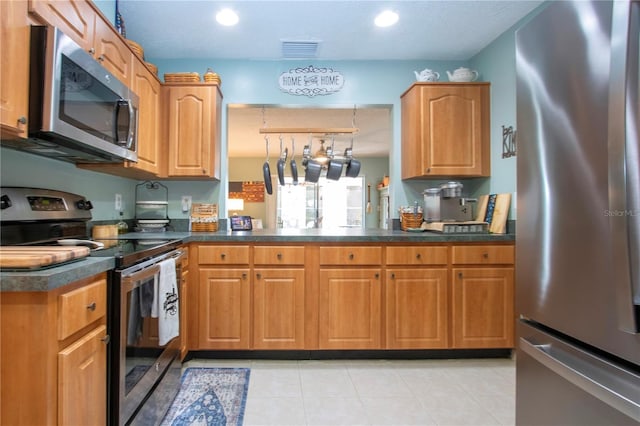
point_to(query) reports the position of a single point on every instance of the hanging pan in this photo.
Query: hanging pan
(292, 164)
(282, 161)
(334, 169)
(266, 172)
(353, 165)
(312, 167)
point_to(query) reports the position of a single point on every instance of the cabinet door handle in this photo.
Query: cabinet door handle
(101, 58)
(92, 51)
(106, 339)
(377, 275)
(22, 120)
(91, 306)
(428, 169)
(244, 275)
(460, 275)
(258, 275)
(393, 276)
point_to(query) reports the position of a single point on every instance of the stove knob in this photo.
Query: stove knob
(5, 202)
(88, 205)
(81, 205)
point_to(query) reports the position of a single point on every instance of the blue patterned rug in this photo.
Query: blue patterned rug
(211, 397)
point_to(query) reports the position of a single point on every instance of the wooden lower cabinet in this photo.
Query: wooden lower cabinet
(483, 307)
(224, 315)
(81, 377)
(54, 355)
(417, 308)
(349, 308)
(278, 308)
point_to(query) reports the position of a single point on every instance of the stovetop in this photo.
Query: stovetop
(128, 252)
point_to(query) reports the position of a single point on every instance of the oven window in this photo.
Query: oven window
(88, 104)
(142, 343)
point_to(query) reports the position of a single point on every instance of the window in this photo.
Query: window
(327, 204)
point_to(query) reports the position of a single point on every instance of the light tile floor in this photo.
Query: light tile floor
(377, 392)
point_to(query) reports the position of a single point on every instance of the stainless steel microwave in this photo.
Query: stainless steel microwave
(78, 111)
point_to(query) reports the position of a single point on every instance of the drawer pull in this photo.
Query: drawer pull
(91, 306)
(351, 256)
(106, 339)
(418, 256)
(485, 255)
(279, 256)
(222, 255)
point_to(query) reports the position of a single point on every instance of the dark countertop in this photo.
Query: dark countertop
(51, 278)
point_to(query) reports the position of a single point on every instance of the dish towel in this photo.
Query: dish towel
(168, 304)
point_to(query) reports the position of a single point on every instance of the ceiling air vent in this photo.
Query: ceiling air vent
(292, 49)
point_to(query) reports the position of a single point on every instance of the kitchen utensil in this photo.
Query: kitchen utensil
(451, 189)
(427, 75)
(431, 204)
(292, 164)
(334, 169)
(463, 74)
(369, 209)
(266, 171)
(312, 172)
(76, 242)
(282, 161)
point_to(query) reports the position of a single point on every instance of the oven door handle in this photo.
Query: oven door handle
(141, 275)
(148, 269)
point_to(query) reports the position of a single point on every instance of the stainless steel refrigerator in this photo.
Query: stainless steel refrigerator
(578, 221)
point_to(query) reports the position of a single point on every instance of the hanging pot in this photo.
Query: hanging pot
(282, 161)
(334, 169)
(292, 164)
(312, 172)
(266, 171)
(353, 168)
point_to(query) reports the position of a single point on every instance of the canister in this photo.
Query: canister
(431, 204)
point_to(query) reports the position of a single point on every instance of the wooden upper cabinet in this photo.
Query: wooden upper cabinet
(445, 130)
(147, 87)
(74, 18)
(14, 69)
(193, 133)
(112, 52)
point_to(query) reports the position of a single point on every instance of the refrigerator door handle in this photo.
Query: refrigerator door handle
(593, 375)
(624, 161)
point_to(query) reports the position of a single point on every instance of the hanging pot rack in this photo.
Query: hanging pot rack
(310, 130)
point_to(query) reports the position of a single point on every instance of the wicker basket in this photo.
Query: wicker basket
(204, 217)
(152, 67)
(137, 49)
(182, 77)
(410, 220)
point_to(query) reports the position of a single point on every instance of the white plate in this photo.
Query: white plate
(74, 242)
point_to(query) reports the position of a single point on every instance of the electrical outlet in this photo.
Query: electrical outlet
(118, 202)
(186, 203)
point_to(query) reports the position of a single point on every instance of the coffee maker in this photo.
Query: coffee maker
(446, 204)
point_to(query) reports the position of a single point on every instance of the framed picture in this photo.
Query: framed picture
(241, 223)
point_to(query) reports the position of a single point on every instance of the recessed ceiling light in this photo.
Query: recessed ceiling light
(227, 17)
(386, 19)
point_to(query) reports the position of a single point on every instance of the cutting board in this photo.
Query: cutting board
(494, 210)
(33, 257)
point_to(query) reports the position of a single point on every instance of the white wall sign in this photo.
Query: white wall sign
(310, 81)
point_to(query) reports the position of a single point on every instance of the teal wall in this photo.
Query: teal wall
(255, 82)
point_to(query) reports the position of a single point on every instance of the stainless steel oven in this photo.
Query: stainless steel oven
(145, 371)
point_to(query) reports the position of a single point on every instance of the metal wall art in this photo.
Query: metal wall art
(508, 142)
(311, 81)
